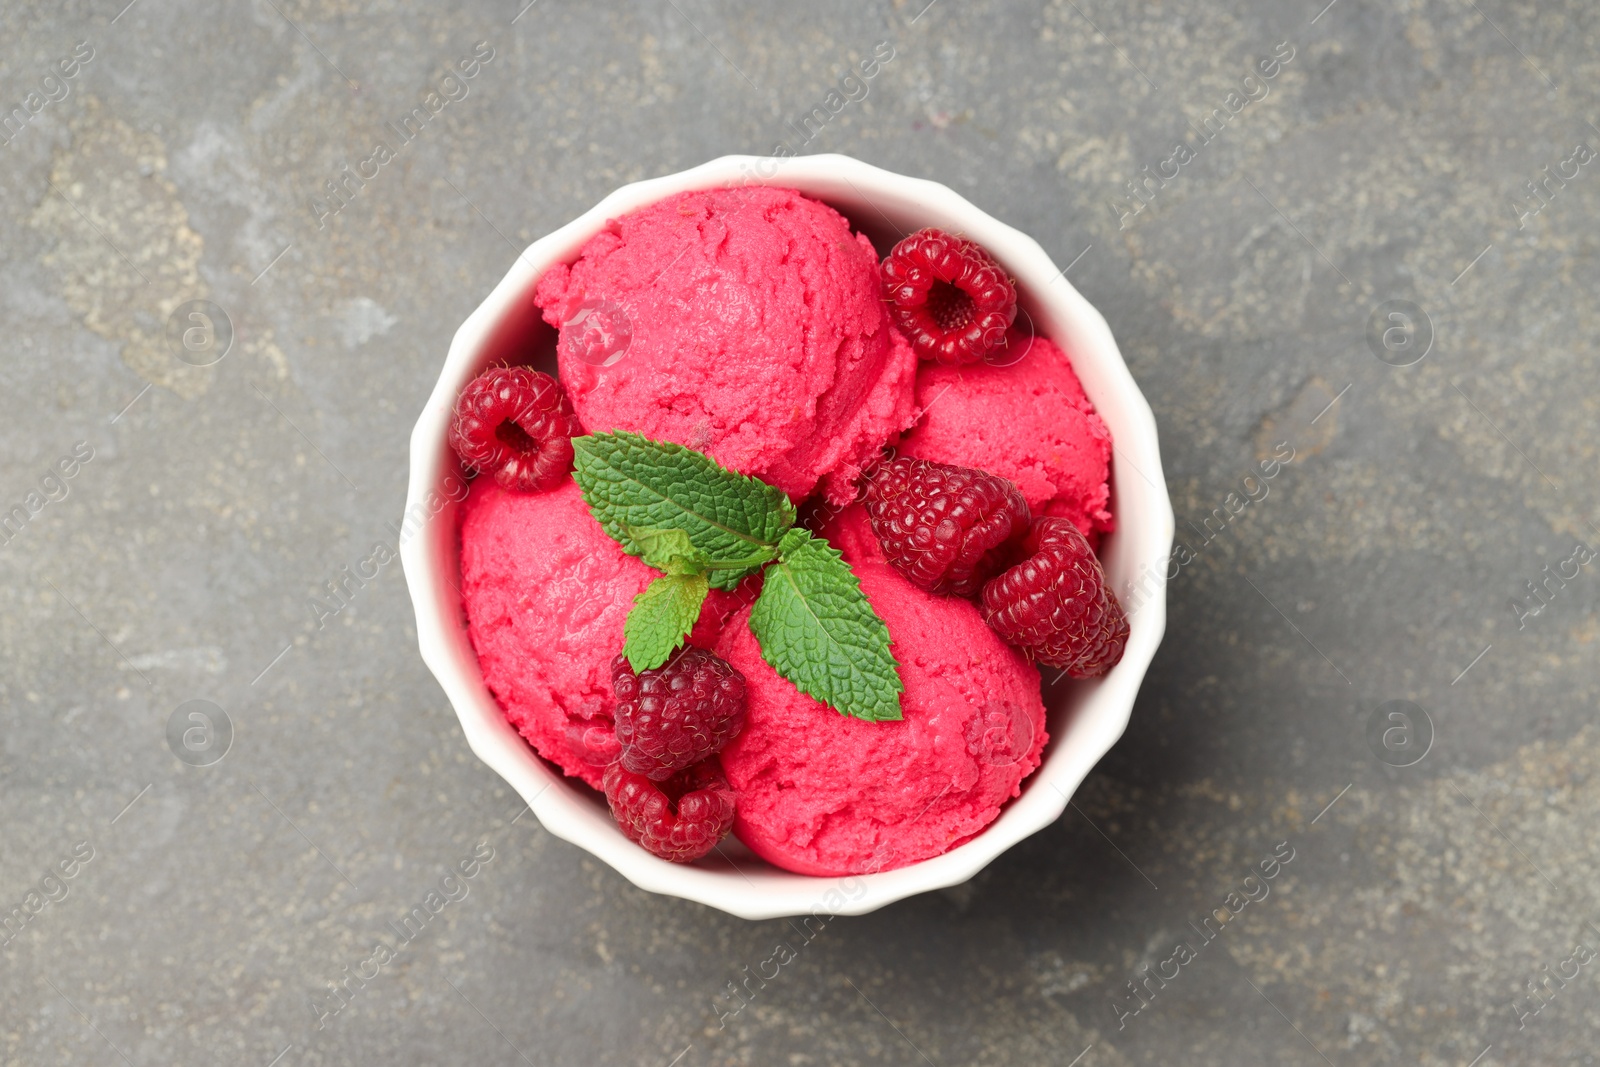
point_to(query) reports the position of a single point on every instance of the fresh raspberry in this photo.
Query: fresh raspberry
(680, 819)
(950, 298)
(676, 714)
(1056, 606)
(947, 529)
(515, 423)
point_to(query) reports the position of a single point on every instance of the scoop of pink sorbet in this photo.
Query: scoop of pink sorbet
(1028, 421)
(850, 531)
(745, 323)
(823, 794)
(546, 592)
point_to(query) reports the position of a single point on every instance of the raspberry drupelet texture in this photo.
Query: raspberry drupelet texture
(948, 296)
(946, 529)
(677, 714)
(515, 424)
(1056, 606)
(680, 819)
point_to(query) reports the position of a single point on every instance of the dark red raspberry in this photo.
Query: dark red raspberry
(947, 529)
(515, 423)
(680, 819)
(949, 297)
(676, 714)
(1056, 606)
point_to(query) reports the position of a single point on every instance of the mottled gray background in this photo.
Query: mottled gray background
(1389, 161)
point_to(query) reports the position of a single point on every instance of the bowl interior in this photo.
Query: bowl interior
(1085, 717)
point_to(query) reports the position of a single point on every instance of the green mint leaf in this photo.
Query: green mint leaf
(630, 481)
(661, 618)
(818, 630)
(668, 550)
(672, 551)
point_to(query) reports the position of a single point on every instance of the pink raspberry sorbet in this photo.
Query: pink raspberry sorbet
(745, 323)
(546, 591)
(823, 794)
(1029, 421)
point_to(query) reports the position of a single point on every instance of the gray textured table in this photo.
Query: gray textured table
(1366, 204)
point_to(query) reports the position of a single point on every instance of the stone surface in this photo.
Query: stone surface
(1387, 161)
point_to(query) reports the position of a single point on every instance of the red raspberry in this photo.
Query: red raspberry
(515, 423)
(1055, 604)
(676, 714)
(947, 529)
(680, 819)
(950, 298)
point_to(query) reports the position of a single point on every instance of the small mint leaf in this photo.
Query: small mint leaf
(630, 481)
(749, 564)
(817, 629)
(668, 550)
(661, 617)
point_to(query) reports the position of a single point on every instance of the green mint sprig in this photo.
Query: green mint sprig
(706, 527)
(819, 631)
(661, 618)
(632, 483)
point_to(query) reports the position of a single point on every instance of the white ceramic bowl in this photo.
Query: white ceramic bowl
(1085, 718)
